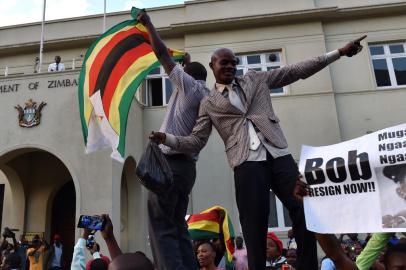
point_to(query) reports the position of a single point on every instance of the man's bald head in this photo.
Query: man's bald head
(219, 52)
(131, 261)
(223, 64)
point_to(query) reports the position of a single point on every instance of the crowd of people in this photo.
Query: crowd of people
(240, 108)
(37, 254)
(381, 251)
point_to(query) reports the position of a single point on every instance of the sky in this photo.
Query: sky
(26, 11)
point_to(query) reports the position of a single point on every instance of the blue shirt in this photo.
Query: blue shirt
(327, 264)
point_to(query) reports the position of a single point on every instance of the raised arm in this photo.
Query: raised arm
(15, 243)
(373, 249)
(79, 254)
(108, 236)
(291, 73)
(192, 143)
(328, 242)
(159, 47)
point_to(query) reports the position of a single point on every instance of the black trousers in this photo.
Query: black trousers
(170, 241)
(253, 180)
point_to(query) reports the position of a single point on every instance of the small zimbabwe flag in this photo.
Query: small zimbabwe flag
(113, 68)
(213, 223)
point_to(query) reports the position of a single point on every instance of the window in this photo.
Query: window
(156, 88)
(260, 62)
(278, 215)
(389, 63)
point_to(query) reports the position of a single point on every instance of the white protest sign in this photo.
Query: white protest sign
(357, 186)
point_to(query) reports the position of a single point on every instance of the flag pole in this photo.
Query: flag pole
(104, 17)
(41, 45)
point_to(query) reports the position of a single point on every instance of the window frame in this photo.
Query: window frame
(263, 65)
(144, 87)
(387, 56)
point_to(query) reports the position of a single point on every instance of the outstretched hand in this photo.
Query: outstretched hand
(158, 137)
(301, 189)
(352, 48)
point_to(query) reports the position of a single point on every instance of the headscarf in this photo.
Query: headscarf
(206, 225)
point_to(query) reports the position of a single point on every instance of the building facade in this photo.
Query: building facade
(48, 181)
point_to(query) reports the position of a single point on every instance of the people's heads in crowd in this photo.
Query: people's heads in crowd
(196, 70)
(224, 65)
(219, 248)
(57, 59)
(206, 254)
(57, 240)
(12, 261)
(36, 241)
(274, 246)
(291, 256)
(8, 233)
(351, 252)
(131, 261)
(239, 242)
(99, 264)
(395, 257)
(22, 240)
(353, 236)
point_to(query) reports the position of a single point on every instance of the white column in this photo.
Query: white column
(41, 46)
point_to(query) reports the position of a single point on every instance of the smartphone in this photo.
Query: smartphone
(91, 222)
(90, 241)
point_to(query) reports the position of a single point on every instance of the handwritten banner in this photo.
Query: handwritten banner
(357, 186)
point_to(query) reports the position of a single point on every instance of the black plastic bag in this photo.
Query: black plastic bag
(153, 169)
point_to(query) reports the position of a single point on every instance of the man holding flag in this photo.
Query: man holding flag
(171, 243)
(240, 108)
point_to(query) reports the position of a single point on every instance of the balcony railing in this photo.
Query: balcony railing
(13, 70)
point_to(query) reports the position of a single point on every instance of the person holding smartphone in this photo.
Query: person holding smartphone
(36, 253)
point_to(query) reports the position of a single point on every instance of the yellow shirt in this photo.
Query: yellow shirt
(37, 259)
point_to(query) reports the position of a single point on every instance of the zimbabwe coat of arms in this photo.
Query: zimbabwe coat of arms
(30, 116)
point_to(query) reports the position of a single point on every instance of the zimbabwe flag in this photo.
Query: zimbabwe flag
(213, 223)
(113, 68)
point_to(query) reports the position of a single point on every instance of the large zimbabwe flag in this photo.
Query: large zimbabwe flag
(213, 223)
(113, 68)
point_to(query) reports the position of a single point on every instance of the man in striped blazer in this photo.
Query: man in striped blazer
(240, 108)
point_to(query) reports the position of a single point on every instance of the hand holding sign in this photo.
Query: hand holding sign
(352, 48)
(301, 189)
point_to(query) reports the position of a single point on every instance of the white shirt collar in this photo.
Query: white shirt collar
(220, 87)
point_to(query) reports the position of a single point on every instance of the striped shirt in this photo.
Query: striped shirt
(183, 106)
(260, 153)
